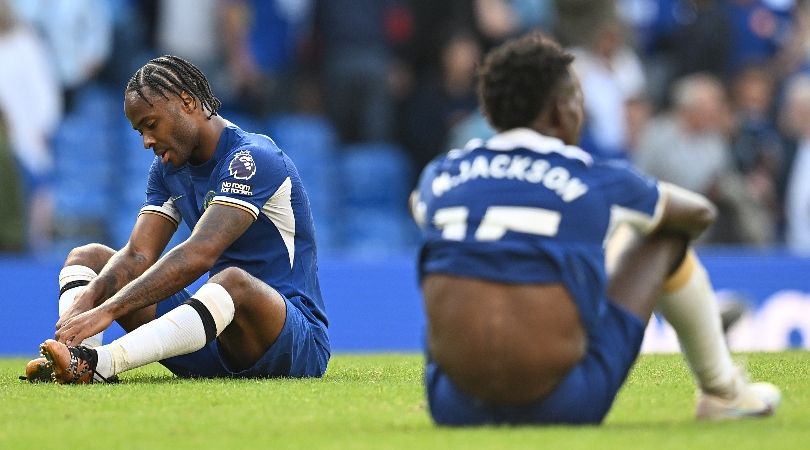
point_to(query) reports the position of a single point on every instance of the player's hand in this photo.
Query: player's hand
(82, 303)
(78, 328)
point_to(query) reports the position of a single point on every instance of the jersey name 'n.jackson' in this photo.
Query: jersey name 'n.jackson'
(526, 208)
(513, 167)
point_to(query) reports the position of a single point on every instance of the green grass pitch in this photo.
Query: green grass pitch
(375, 402)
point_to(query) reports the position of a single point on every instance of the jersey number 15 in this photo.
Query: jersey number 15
(497, 220)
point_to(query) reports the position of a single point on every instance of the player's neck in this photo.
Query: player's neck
(210, 132)
(547, 130)
(552, 128)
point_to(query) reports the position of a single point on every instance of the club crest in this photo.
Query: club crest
(242, 166)
(207, 200)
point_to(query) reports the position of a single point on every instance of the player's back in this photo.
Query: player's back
(512, 266)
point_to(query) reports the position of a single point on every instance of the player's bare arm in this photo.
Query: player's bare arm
(149, 238)
(685, 212)
(219, 226)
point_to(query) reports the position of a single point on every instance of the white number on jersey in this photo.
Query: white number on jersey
(497, 221)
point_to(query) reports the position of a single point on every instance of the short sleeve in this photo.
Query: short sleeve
(158, 197)
(422, 193)
(250, 178)
(635, 198)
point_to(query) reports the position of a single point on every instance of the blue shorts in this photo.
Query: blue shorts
(301, 349)
(584, 396)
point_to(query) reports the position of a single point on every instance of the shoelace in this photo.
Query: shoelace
(90, 357)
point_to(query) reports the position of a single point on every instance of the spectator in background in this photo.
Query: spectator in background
(444, 100)
(689, 147)
(756, 146)
(796, 124)
(702, 39)
(262, 45)
(192, 29)
(498, 20)
(132, 40)
(720, 37)
(78, 34)
(30, 100)
(490, 21)
(760, 30)
(12, 220)
(430, 17)
(358, 39)
(612, 77)
(700, 42)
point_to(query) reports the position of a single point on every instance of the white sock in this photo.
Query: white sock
(178, 332)
(78, 276)
(689, 305)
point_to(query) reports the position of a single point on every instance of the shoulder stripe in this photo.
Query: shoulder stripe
(158, 212)
(236, 203)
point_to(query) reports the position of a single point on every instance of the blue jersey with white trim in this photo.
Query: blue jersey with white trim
(248, 171)
(525, 208)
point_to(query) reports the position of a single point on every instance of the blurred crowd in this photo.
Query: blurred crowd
(713, 95)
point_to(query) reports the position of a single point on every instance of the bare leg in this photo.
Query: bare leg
(258, 320)
(636, 282)
(96, 256)
(687, 301)
(82, 265)
(245, 313)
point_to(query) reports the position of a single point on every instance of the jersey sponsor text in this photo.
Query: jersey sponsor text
(236, 188)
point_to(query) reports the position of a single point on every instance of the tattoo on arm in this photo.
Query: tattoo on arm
(149, 237)
(218, 228)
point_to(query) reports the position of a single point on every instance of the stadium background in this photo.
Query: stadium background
(361, 93)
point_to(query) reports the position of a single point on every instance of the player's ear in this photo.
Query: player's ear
(556, 113)
(189, 102)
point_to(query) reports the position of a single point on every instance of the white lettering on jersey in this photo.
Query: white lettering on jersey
(497, 220)
(498, 166)
(480, 168)
(229, 187)
(518, 167)
(537, 171)
(522, 168)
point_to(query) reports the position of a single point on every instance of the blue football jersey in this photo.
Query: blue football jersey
(526, 208)
(248, 171)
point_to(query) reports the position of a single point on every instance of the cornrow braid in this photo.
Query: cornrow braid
(172, 74)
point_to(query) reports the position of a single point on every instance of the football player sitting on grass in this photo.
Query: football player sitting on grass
(525, 323)
(259, 315)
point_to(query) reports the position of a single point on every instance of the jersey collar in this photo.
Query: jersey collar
(536, 142)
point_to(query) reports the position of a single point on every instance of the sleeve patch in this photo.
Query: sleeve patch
(242, 166)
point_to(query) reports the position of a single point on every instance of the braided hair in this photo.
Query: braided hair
(172, 74)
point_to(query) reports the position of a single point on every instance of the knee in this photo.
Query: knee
(94, 256)
(234, 280)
